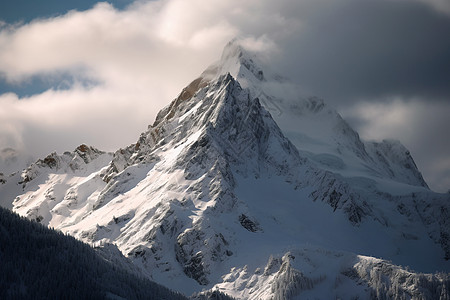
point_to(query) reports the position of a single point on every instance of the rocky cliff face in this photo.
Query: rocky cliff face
(229, 176)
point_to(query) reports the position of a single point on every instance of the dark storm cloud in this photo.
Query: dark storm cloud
(349, 50)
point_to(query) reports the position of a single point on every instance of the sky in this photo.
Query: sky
(75, 72)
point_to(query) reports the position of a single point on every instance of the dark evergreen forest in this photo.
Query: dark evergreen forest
(40, 263)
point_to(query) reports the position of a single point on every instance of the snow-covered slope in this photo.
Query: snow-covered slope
(240, 186)
(65, 178)
(315, 128)
(315, 273)
(12, 160)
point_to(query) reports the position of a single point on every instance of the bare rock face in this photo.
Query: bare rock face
(73, 161)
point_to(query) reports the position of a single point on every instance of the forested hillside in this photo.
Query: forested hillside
(39, 263)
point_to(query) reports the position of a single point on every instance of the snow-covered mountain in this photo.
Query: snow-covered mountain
(240, 185)
(12, 160)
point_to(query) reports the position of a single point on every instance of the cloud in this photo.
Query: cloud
(125, 65)
(442, 6)
(135, 66)
(134, 61)
(350, 49)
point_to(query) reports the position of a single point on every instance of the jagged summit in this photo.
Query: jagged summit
(237, 61)
(238, 188)
(233, 50)
(315, 128)
(78, 159)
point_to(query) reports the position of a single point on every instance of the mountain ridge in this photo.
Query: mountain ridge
(227, 167)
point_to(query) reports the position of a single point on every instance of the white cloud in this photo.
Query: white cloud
(130, 53)
(140, 57)
(10, 125)
(384, 120)
(442, 6)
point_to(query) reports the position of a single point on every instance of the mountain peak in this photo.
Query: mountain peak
(78, 160)
(237, 61)
(233, 49)
(236, 171)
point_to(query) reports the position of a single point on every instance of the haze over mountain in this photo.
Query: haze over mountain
(246, 186)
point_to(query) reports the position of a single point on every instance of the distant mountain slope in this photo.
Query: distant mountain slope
(12, 160)
(39, 263)
(314, 273)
